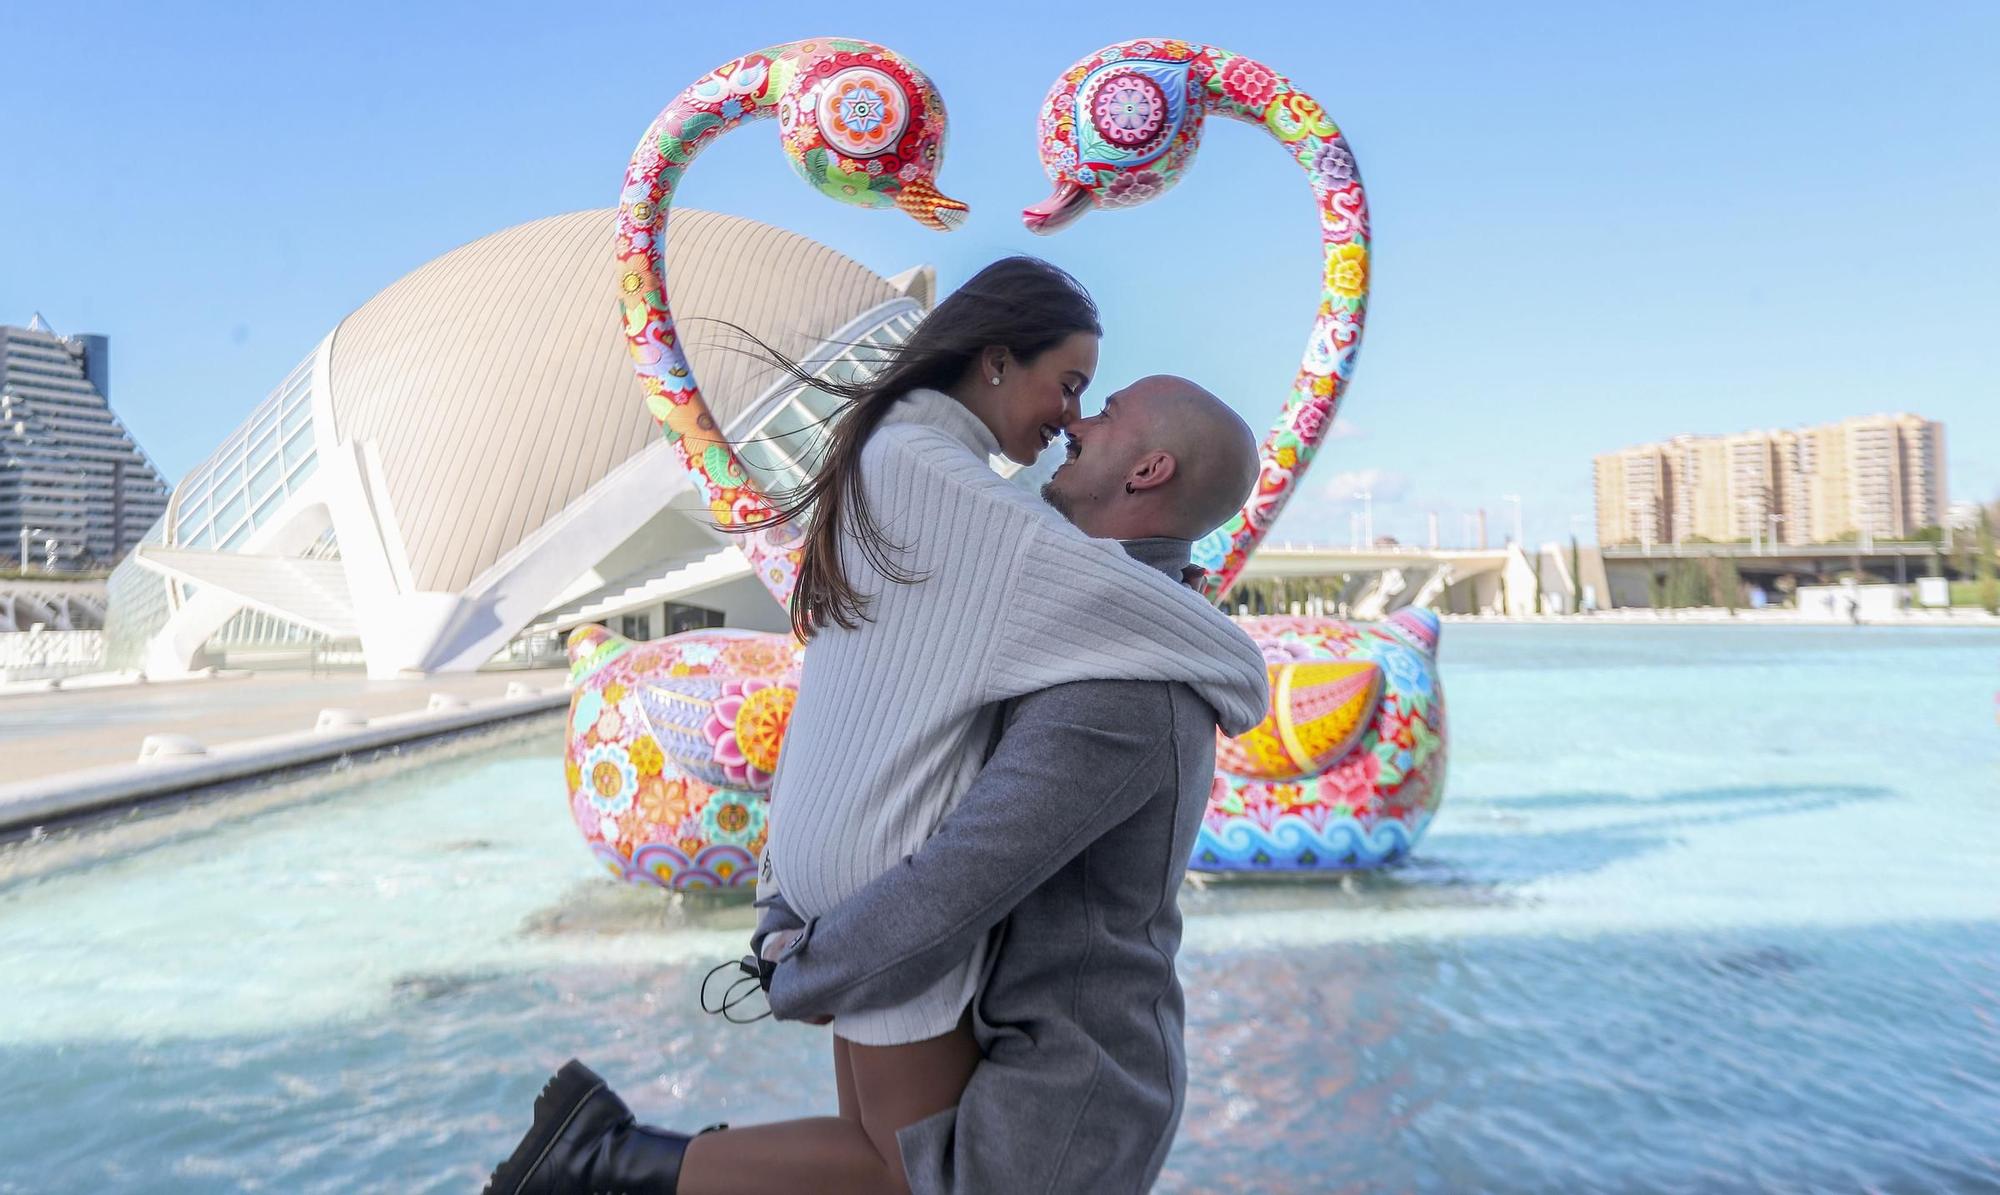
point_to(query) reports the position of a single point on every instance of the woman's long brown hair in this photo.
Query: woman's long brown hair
(1023, 304)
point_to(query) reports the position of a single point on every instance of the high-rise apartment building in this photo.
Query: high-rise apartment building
(1632, 496)
(73, 485)
(1879, 476)
(1698, 484)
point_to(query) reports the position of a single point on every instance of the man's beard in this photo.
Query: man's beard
(1054, 498)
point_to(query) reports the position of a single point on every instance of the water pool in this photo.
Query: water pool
(1706, 909)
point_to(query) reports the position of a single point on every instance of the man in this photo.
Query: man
(1069, 849)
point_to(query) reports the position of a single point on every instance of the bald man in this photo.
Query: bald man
(1069, 850)
(1164, 459)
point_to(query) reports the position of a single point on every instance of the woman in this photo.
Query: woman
(931, 591)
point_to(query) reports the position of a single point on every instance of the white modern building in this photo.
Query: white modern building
(464, 467)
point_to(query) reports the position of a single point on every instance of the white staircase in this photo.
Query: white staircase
(723, 564)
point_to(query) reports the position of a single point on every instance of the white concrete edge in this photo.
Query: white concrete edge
(29, 803)
(129, 678)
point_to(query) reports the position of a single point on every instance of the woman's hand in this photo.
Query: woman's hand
(774, 949)
(776, 944)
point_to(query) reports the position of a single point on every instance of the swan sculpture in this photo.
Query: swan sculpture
(1349, 767)
(671, 744)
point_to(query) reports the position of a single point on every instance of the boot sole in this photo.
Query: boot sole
(562, 1097)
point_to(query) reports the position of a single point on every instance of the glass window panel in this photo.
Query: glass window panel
(267, 507)
(267, 418)
(230, 513)
(790, 422)
(304, 470)
(265, 448)
(191, 517)
(297, 415)
(265, 479)
(760, 455)
(202, 538)
(236, 537)
(298, 447)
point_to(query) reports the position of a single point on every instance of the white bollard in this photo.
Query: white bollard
(445, 701)
(337, 720)
(168, 746)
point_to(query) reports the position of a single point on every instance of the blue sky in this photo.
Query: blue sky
(1594, 224)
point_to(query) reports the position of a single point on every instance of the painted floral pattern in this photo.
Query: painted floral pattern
(853, 117)
(746, 726)
(1075, 117)
(645, 818)
(1367, 809)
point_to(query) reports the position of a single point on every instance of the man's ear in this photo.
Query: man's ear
(1151, 471)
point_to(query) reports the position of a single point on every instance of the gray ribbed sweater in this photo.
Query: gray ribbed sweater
(894, 716)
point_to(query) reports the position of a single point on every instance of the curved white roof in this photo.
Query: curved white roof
(494, 381)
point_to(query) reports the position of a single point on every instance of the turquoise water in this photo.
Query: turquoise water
(1706, 909)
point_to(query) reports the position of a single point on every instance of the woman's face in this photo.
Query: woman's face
(1036, 399)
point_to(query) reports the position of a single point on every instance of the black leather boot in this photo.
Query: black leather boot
(584, 1142)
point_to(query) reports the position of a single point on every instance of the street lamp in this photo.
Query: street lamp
(1516, 500)
(27, 531)
(1368, 515)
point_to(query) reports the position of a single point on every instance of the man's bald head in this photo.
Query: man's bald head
(1164, 458)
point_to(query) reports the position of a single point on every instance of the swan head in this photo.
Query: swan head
(1117, 130)
(863, 125)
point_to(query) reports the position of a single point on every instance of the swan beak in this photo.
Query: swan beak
(1058, 211)
(930, 207)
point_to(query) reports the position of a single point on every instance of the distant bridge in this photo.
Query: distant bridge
(1374, 582)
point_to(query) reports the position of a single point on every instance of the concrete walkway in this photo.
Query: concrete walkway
(45, 734)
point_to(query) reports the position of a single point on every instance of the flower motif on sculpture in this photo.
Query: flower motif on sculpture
(1249, 83)
(734, 818)
(862, 112)
(646, 755)
(1347, 271)
(610, 780)
(1132, 189)
(747, 727)
(761, 655)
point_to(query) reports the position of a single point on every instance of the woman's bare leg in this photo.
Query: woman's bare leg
(843, 1080)
(897, 1090)
(892, 1087)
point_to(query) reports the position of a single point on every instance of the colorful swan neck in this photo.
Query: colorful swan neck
(1118, 129)
(862, 125)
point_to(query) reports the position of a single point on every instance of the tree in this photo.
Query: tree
(1576, 573)
(1989, 589)
(1687, 585)
(1729, 580)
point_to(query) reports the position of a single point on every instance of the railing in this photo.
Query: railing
(38, 655)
